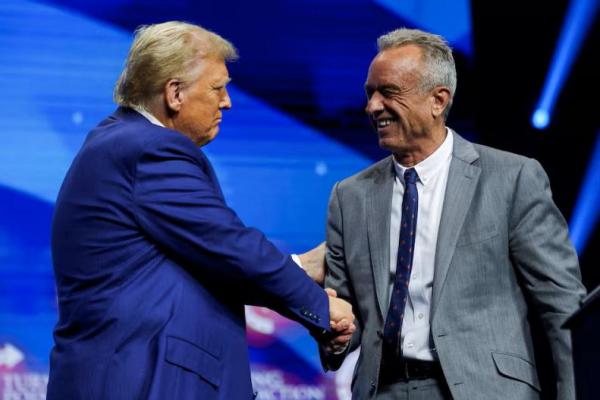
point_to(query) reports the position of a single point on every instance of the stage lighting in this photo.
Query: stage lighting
(587, 209)
(540, 119)
(579, 18)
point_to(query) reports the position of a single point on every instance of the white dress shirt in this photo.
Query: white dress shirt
(431, 186)
(148, 116)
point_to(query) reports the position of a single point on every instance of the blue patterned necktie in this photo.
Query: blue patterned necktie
(408, 230)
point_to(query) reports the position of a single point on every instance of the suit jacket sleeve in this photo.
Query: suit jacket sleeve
(180, 207)
(544, 257)
(337, 278)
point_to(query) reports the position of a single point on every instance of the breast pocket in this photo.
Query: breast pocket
(205, 363)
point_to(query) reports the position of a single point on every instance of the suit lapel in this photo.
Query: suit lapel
(462, 181)
(379, 208)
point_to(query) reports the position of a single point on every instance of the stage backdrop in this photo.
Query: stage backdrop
(58, 63)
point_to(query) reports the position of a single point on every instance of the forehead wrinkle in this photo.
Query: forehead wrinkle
(400, 81)
(400, 64)
(220, 80)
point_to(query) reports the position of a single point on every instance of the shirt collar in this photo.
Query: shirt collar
(148, 115)
(430, 166)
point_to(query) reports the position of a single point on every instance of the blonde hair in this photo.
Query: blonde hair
(161, 52)
(440, 69)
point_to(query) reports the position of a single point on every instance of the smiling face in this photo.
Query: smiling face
(407, 118)
(202, 102)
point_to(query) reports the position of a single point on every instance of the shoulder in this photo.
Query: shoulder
(502, 170)
(127, 135)
(484, 156)
(377, 172)
(490, 156)
(492, 162)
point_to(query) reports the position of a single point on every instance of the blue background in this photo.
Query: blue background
(297, 125)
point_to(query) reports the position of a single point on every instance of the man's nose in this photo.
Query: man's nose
(374, 104)
(225, 101)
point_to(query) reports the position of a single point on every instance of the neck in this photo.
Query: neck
(159, 110)
(426, 147)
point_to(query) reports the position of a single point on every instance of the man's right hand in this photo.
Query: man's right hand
(342, 322)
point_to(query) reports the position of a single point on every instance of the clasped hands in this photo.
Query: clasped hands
(341, 322)
(340, 311)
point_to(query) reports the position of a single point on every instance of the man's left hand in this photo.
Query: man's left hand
(313, 262)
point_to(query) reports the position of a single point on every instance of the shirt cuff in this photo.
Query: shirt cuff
(342, 350)
(296, 259)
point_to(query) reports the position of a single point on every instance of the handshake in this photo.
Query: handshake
(341, 322)
(340, 311)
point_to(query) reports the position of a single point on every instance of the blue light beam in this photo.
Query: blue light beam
(579, 18)
(587, 209)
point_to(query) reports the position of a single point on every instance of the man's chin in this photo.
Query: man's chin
(386, 144)
(394, 145)
(206, 139)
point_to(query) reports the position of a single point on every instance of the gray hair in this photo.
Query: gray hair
(437, 56)
(161, 52)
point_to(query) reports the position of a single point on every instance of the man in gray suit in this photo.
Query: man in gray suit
(445, 247)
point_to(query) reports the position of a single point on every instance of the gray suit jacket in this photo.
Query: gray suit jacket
(502, 245)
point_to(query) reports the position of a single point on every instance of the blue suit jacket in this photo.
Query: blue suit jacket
(153, 270)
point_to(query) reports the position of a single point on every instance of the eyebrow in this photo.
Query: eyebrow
(222, 83)
(382, 87)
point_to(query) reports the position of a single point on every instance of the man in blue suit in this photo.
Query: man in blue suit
(152, 268)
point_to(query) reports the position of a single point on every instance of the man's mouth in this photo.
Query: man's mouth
(383, 122)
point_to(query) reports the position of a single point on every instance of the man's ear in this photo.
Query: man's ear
(440, 99)
(173, 95)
